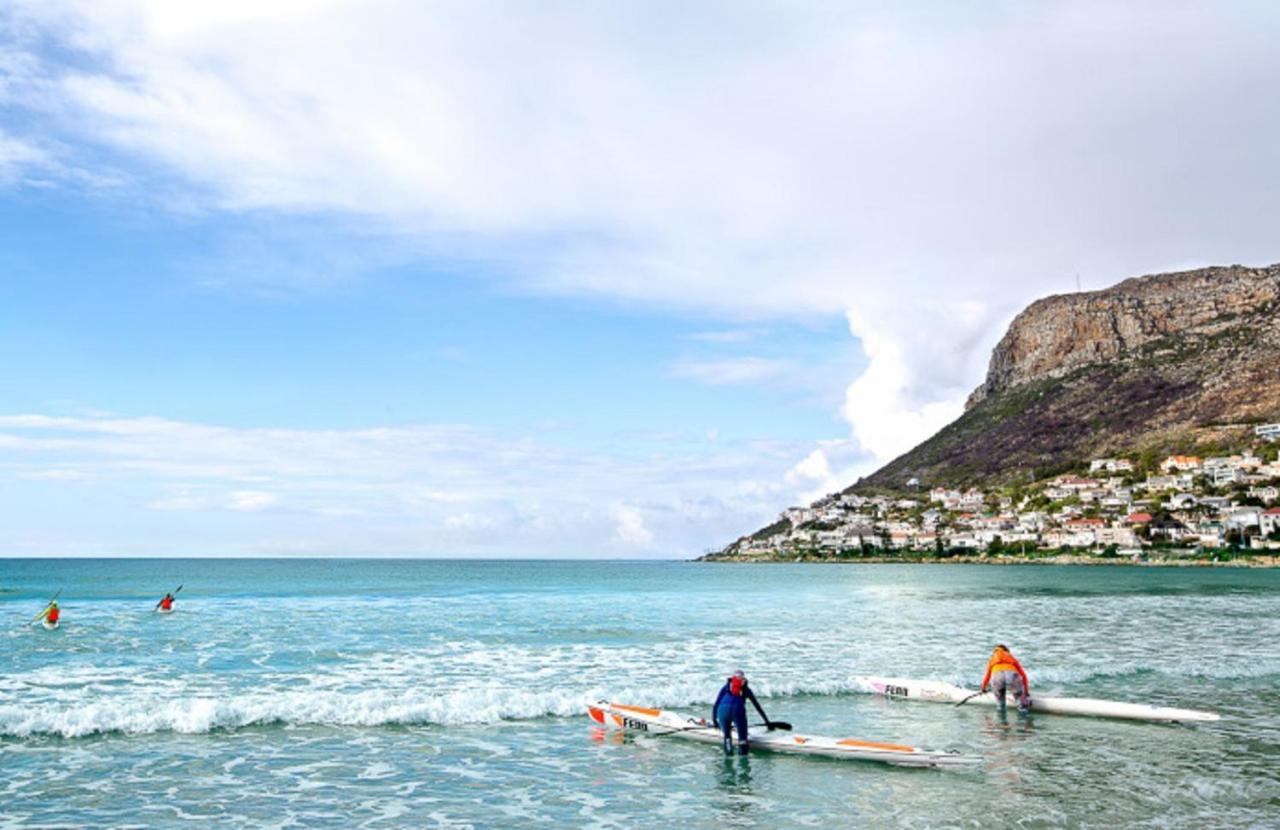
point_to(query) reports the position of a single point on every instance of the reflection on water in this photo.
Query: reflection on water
(735, 801)
(735, 774)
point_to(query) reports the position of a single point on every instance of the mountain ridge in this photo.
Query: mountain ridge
(1161, 362)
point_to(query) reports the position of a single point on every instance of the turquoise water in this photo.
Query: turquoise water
(452, 694)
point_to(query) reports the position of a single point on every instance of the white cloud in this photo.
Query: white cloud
(630, 528)
(729, 335)
(813, 467)
(54, 475)
(733, 371)
(181, 501)
(420, 489)
(926, 169)
(830, 468)
(15, 155)
(251, 500)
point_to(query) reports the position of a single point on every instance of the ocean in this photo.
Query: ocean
(393, 693)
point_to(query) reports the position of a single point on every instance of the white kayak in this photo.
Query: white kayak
(164, 610)
(49, 626)
(939, 692)
(661, 722)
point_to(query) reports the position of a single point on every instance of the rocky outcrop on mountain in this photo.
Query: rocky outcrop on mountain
(1059, 334)
(1158, 363)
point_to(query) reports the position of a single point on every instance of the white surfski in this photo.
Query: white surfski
(661, 722)
(939, 692)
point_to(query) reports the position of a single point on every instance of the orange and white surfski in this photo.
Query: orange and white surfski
(663, 722)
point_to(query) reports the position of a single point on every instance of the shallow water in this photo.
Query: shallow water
(452, 694)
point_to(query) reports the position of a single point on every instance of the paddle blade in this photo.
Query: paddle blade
(779, 724)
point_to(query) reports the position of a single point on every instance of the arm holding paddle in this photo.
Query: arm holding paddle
(768, 724)
(167, 600)
(982, 687)
(47, 606)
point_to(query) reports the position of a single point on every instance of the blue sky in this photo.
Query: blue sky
(486, 279)
(144, 314)
(115, 314)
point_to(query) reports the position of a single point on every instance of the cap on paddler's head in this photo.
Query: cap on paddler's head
(1002, 646)
(738, 674)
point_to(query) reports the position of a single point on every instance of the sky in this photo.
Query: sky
(400, 278)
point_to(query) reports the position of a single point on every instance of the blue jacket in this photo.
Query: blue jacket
(737, 702)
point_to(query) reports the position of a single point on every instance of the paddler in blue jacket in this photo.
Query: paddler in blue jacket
(730, 710)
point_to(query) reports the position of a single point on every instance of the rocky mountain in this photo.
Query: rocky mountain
(1158, 364)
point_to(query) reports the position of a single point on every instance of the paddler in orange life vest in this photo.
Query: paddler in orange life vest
(730, 710)
(166, 604)
(1005, 673)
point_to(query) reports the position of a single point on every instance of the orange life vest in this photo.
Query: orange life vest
(1002, 660)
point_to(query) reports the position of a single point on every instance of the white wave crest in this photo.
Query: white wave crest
(143, 713)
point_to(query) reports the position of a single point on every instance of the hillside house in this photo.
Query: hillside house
(1123, 537)
(1269, 521)
(1077, 483)
(1222, 476)
(1031, 522)
(1111, 465)
(1269, 432)
(1242, 518)
(949, 499)
(1211, 534)
(1063, 538)
(1182, 463)
(1169, 528)
(798, 515)
(1115, 503)
(1266, 494)
(1155, 484)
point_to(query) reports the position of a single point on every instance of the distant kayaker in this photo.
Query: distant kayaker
(1005, 673)
(166, 604)
(51, 613)
(730, 710)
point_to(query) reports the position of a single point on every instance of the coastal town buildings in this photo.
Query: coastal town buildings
(1120, 506)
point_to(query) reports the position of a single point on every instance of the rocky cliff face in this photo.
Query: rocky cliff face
(1057, 335)
(1158, 363)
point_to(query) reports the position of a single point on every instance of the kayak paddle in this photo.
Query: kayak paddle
(46, 605)
(775, 724)
(174, 594)
(967, 699)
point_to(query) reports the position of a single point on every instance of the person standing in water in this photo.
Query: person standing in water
(730, 710)
(1005, 673)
